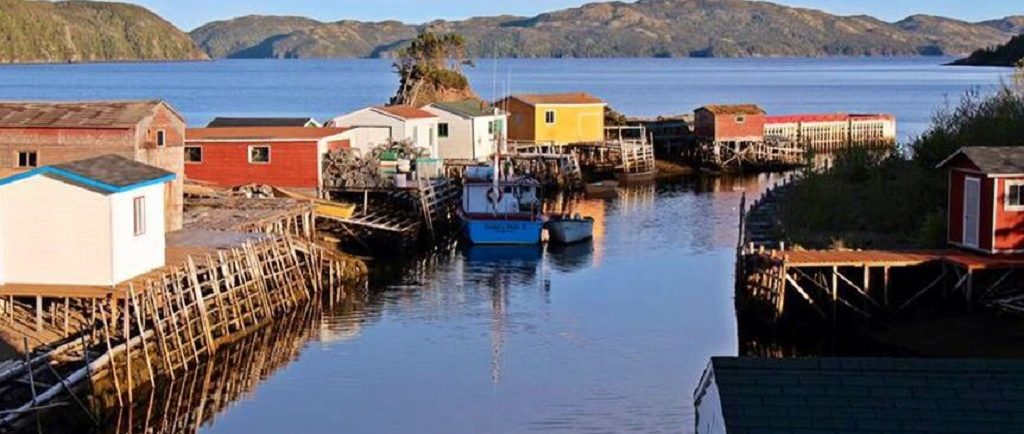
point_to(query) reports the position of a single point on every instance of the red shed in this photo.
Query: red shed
(729, 123)
(289, 157)
(986, 199)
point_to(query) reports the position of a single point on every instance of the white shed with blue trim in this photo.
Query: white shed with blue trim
(93, 222)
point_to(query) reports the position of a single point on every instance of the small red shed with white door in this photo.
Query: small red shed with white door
(986, 199)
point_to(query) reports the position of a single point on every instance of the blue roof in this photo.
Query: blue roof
(106, 174)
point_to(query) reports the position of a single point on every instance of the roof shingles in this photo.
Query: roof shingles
(993, 160)
(870, 395)
(98, 114)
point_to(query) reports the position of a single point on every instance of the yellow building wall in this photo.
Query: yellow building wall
(573, 124)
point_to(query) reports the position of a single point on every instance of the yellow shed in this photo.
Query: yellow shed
(560, 118)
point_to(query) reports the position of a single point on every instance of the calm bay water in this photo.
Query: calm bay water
(609, 336)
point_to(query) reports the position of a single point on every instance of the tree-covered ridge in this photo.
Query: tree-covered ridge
(1008, 54)
(647, 28)
(85, 31)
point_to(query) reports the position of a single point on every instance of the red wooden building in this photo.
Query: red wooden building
(288, 157)
(735, 123)
(986, 199)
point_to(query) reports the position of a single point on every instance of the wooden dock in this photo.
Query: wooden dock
(862, 281)
(224, 285)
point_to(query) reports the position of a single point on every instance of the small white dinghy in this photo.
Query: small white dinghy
(568, 230)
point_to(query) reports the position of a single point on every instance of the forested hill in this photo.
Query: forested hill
(1008, 54)
(646, 28)
(82, 31)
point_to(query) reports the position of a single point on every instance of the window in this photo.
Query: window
(442, 130)
(139, 208)
(193, 154)
(1014, 200)
(549, 117)
(28, 159)
(259, 154)
(741, 119)
(495, 127)
(161, 138)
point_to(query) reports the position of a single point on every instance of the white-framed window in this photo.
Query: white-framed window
(193, 154)
(741, 119)
(1014, 200)
(495, 126)
(549, 117)
(442, 130)
(259, 154)
(28, 159)
(161, 138)
(139, 212)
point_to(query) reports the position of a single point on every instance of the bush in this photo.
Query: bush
(894, 199)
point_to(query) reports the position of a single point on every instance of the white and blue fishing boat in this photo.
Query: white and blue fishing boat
(500, 209)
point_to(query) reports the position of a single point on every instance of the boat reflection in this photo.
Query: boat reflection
(567, 258)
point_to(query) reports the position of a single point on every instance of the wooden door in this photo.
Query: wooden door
(972, 211)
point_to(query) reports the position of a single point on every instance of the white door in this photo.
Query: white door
(972, 211)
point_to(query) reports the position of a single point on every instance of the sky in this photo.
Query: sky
(189, 14)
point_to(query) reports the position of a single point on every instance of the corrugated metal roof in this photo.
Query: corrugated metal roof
(859, 395)
(734, 109)
(468, 108)
(95, 114)
(824, 117)
(260, 133)
(993, 160)
(558, 98)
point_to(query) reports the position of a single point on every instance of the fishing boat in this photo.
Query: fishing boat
(500, 209)
(602, 188)
(568, 230)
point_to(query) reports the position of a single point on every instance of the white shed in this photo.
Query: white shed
(468, 130)
(93, 222)
(404, 122)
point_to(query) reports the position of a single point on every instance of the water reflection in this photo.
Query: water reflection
(606, 336)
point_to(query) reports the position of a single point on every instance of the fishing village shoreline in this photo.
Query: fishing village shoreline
(273, 208)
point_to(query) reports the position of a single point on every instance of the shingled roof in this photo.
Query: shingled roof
(856, 395)
(734, 109)
(992, 160)
(466, 108)
(94, 114)
(226, 122)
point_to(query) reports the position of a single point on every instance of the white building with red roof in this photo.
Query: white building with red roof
(404, 123)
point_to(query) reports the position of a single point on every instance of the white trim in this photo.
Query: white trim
(964, 228)
(201, 152)
(554, 117)
(995, 196)
(248, 154)
(273, 140)
(1006, 192)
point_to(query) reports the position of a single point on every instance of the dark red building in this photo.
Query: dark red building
(986, 199)
(289, 157)
(729, 123)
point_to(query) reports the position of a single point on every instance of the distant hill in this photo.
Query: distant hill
(1013, 24)
(85, 31)
(1007, 54)
(646, 28)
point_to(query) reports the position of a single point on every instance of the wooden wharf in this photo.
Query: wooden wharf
(403, 213)
(747, 156)
(220, 285)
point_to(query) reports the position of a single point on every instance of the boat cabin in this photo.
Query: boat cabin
(986, 199)
(513, 197)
